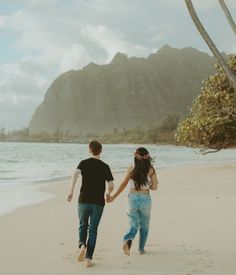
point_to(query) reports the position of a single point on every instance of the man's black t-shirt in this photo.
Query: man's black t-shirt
(94, 173)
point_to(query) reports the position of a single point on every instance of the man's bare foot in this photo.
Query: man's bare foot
(126, 247)
(89, 263)
(81, 253)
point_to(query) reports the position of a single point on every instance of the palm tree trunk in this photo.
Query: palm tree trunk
(228, 15)
(210, 43)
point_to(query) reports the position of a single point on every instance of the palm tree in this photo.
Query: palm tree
(211, 44)
(228, 15)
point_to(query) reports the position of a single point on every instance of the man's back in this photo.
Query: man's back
(94, 173)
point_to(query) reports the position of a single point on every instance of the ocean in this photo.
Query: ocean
(25, 167)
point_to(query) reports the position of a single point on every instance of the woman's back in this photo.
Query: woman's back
(145, 185)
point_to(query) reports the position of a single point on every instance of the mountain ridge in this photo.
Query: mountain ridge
(127, 92)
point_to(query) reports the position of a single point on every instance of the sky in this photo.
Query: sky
(41, 39)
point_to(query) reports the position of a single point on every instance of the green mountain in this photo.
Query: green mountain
(126, 93)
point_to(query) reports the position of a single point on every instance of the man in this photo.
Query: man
(95, 173)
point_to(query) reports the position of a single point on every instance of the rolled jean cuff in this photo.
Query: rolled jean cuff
(80, 244)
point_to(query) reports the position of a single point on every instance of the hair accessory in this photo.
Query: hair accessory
(146, 156)
(137, 156)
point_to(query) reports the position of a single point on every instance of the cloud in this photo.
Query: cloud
(51, 37)
(51, 43)
(21, 87)
(75, 57)
(112, 41)
(2, 21)
(199, 5)
(161, 32)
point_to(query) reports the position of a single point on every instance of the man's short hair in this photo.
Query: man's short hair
(95, 147)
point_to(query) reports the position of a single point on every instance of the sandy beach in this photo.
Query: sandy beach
(192, 230)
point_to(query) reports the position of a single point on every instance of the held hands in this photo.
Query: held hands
(109, 198)
(70, 196)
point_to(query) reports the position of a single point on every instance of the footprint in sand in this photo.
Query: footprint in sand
(98, 258)
(126, 265)
(209, 265)
(196, 257)
(195, 271)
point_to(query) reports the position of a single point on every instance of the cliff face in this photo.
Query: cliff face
(125, 93)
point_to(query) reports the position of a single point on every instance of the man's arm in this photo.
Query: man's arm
(110, 187)
(73, 182)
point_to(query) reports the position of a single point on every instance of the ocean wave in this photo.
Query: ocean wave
(8, 178)
(38, 163)
(9, 161)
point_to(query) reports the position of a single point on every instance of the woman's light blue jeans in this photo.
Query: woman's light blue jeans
(139, 210)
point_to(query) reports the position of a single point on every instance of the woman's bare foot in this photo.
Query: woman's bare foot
(81, 253)
(89, 263)
(126, 247)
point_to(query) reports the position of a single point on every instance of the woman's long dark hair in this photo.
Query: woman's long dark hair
(142, 164)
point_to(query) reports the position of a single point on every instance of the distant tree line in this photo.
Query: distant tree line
(163, 133)
(14, 135)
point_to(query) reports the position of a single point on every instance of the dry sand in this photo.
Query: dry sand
(192, 230)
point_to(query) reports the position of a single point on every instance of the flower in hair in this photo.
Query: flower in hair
(146, 156)
(137, 156)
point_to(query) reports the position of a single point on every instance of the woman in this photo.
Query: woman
(141, 178)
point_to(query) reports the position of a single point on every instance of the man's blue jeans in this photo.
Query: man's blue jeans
(139, 210)
(89, 218)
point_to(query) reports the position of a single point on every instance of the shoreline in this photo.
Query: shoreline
(43, 195)
(191, 232)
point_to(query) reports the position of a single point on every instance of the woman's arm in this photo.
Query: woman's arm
(73, 182)
(122, 185)
(154, 180)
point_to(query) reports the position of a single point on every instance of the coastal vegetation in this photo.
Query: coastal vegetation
(162, 133)
(211, 122)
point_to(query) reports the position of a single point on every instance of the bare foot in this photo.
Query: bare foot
(81, 253)
(126, 249)
(142, 251)
(89, 263)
